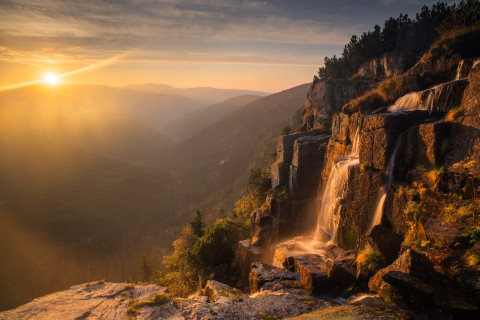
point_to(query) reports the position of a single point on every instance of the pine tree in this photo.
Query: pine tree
(197, 224)
(146, 271)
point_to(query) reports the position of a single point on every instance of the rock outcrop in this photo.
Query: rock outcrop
(100, 300)
(328, 96)
(387, 65)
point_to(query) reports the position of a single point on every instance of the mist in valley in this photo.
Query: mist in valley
(94, 178)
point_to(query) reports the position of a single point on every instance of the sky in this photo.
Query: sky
(269, 45)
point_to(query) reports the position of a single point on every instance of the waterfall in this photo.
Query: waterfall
(410, 101)
(329, 213)
(377, 218)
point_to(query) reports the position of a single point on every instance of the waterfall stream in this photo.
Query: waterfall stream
(329, 213)
(377, 218)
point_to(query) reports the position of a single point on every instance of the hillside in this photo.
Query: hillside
(219, 155)
(188, 125)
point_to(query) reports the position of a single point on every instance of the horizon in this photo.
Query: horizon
(267, 46)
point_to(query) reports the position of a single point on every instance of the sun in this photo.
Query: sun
(50, 79)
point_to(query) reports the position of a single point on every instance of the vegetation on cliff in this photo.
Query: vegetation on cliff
(201, 250)
(400, 34)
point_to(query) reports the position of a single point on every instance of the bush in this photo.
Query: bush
(370, 259)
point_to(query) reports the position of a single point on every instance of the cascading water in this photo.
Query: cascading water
(424, 100)
(329, 215)
(377, 218)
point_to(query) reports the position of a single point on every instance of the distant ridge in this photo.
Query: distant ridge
(207, 95)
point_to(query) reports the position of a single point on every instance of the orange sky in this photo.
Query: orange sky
(266, 45)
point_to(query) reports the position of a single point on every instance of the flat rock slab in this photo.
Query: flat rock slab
(368, 308)
(266, 304)
(100, 300)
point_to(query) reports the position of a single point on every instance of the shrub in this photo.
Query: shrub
(473, 260)
(454, 113)
(370, 259)
(286, 130)
(416, 236)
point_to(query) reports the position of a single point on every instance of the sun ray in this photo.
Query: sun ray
(51, 76)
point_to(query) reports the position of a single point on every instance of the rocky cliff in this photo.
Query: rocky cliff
(398, 184)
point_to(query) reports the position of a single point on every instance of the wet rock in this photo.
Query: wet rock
(313, 274)
(387, 65)
(360, 197)
(441, 98)
(344, 270)
(464, 68)
(449, 234)
(366, 308)
(385, 241)
(263, 273)
(101, 300)
(380, 133)
(410, 262)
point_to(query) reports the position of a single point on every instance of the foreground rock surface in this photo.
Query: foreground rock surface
(95, 301)
(102, 300)
(367, 308)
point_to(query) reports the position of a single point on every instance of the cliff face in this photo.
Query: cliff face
(387, 65)
(328, 96)
(403, 181)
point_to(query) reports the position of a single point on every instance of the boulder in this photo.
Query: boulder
(410, 262)
(313, 274)
(448, 234)
(416, 291)
(282, 213)
(263, 273)
(215, 291)
(385, 241)
(344, 270)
